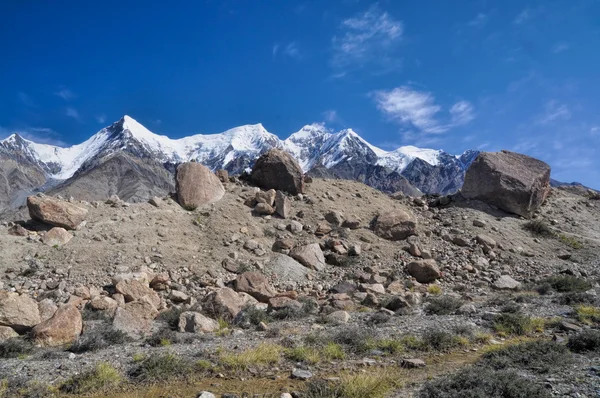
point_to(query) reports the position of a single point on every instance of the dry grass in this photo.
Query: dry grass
(264, 354)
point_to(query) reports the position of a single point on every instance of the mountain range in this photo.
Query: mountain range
(127, 159)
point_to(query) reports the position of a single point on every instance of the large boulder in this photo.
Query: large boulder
(55, 212)
(310, 256)
(278, 170)
(285, 268)
(511, 181)
(19, 312)
(224, 303)
(256, 285)
(424, 271)
(195, 322)
(63, 328)
(196, 186)
(395, 225)
(135, 318)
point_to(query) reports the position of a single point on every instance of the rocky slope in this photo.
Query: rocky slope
(141, 153)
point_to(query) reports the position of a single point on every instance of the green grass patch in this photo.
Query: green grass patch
(262, 355)
(571, 242)
(103, 378)
(587, 314)
(515, 324)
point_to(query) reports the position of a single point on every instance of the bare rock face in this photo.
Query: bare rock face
(395, 225)
(55, 212)
(424, 271)
(19, 312)
(278, 170)
(194, 322)
(223, 302)
(196, 185)
(256, 285)
(57, 236)
(511, 181)
(135, 318)
(311, 256)
(62, 329)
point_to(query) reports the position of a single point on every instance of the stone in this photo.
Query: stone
(267, 197)
(395, 225)
(134, 290)
(195, 322)
(282, 244)
(344, 287)
(57, 236)
(281, 302)
(278, 170)
(354, 250)
(310, 256)
(160, 282)
(460, 241)
(334, 218)
(18, 230)
(351, 223)
(283, 205)
(62, 329)
(55, 212)
(413, 363)
(222, 175)
(135, 318)
(505, 282)
(479, 223)
(564, 255)
(511, 181)
(285, 268)
(256, 285)
(263, 209)
(485, 241)
(424, 271)
(103, 303)
(155, 201)
(569, 327)
(47, 309)
(397, 303)
(295, 227)
(7, 333)
(301, 374)
(223, 302)
(205, 394)
(177, 296)
(19, 312)
(338, 317)
(323, 228)
(196, 186)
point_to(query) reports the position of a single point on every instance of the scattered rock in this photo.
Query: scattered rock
(283, 205)
(263, 209)
(256, 285)
(18, 230)
(301, 374)
(310, 256)
(7, 333)
(196, 186)
(413, 363)
(47, 309)
(135, 318)
(57, 236)
(134, 290)
(62, 329)
(395, 225)
(267, 197)
(194, 322)
(285, 268)
(424, 271)
(505, 282)
(223, 302)
(338, 317)
(55, 212)
(222, 175)
(19, 312)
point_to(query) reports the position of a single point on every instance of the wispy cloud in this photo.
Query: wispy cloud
(560, 47)
(331, 116)
(289, 50)
(41, 135)
(523, 16)
(479, 21)
(101, 119)
(462, 113)
(366, 38)
(65, 93)
(26, 99)
(554, 111)
(72, 112)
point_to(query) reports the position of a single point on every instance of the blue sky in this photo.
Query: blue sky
(491, 75)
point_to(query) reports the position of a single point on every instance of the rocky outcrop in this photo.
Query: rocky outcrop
(278, 170)
(511, 181)
(61, 329)
(55, 212)
(19, 312)
(196, 185)
(395, 225)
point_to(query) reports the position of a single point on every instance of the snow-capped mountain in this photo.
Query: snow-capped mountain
(343, 154)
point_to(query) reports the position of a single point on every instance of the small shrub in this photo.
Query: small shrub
(587, 340)
(436, 290)
(539, 228)
(480, 382)
(482, 338)
(92, 315)
(412, 342)
(568, 283)
(333, 352)
(351, 386)
(577, 298)
(171, 317)
(354, 339)
(443, 305)
(389, 346)
(571, 242)
(161, 367)
(102, 378)
(587, 314)
(439, 340)
(507, 324)
(379, 318)
(97, 339)
(15, 348)
(535, 356)
(138, 357)
(511, 308)
(304, 354)
(251, 316)
(264, 354)
(308, 307)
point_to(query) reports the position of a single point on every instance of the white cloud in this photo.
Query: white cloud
(365, 38)
(65, 94)
(410, 108)
(479, 21)
(554, 111)
(462, 113)
(331, 116)
(275, 49)
(26, 99)
(72, 112)
(595, 130)
(523, 16)
(560, 47)
(101, 118)
(290, 50)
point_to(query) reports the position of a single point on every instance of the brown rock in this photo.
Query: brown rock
(263, 209)
(222, 175)
(278, 170)
(19, 312)
(256, 285)
(351, 223)
(223, 302)
(323, 229)
(267, 197)
(135, 318)
(283, 205)
(103, 303)
(55, 212)
(18, 230)
(424, 271)
(196, 186)
(511, 181)
(7, 333)
(311, 256)
(47, 309)
(160, 282)
(134, 290)
(63, 328)
(194, 322)
(57, 236)
(280, 303)
(395, 225)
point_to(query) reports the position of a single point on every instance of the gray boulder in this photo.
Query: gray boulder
(278, 170)
(196, 185)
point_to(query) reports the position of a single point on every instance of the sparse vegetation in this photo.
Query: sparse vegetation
(352, 386)
(440, 340)
(264, 354)
(570, 241)
(436, 290)
(161, 367)
(443, 305)
(568, 284)
(98, 338)
(513, 324)
(103, 378)
(587, 340)
(539, 228)
(587, 314)
(171, 317)
(15, 348)
(535, 356)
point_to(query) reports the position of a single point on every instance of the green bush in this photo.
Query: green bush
(15, 347)
(102, 378)
(443, 305)
(535, 356)
(161, 367)
(98, 338)
(538, 227)
(568, 283)
(440, 340)
(588, 340)
(513, 324)
(477, 382)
